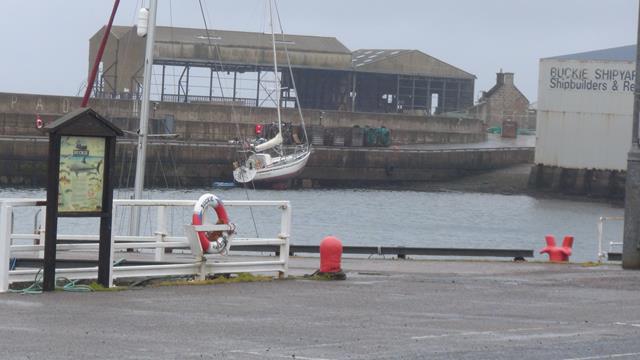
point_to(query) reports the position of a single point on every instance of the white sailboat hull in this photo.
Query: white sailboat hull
(281, 169)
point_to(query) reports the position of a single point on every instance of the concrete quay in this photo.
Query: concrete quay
(192, 164)
(386, 309)
(198, 122)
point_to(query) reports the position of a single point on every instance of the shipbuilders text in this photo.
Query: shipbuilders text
(599, 79)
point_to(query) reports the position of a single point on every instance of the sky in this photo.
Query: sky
(45, 42)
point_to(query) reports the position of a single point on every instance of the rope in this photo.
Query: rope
(61, 283)
(238, 133)
(293, 81)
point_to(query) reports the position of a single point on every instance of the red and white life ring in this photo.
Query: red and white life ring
(39, 122)
(211, 241)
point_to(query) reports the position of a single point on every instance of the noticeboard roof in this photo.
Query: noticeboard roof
(73, 120)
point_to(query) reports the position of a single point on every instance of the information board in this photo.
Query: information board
(81, 176)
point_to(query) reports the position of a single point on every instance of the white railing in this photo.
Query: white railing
(197, 264)
(601, 221)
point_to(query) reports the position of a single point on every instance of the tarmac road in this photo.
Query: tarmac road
(386, 309)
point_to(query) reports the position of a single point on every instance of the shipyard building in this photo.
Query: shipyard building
(198, 66)
(584, 121)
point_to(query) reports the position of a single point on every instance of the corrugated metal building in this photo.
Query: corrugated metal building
(391, 80)
(584, 119)
(585, 104)
(193, 65)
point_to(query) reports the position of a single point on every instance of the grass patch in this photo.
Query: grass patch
(590, 264)
(94, 286)
(239, 278)
(326, 276)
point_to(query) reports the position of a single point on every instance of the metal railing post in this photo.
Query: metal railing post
(113, 243)
(42, 233)
(161, 233)
(5, 246)
(285, 234)
(600, 234)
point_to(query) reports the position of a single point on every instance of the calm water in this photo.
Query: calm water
(377, 217)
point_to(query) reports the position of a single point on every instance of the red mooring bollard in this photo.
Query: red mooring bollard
(558, 253)
(331, 257)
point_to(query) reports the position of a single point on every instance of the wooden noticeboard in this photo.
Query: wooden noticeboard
(81, 156)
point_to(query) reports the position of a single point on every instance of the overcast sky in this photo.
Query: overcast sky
(45, 42)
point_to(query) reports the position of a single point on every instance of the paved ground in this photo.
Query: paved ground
(386, 309)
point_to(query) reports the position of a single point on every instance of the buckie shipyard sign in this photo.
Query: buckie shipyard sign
(591, 79)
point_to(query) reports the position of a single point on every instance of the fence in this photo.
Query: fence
(601, 253)
(195, 264)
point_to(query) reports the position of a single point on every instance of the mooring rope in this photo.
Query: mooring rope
(61, 283)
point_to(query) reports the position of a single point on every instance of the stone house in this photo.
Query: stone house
(504, 102)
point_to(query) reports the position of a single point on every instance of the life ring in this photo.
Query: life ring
(39, 122)
(211, 241)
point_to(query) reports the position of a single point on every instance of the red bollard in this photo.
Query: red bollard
(558, 253)
(330, 258)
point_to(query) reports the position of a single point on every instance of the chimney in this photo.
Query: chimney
(504, 78)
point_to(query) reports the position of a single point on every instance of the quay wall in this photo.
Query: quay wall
(222, 122)
(605, 184)
(177, 164)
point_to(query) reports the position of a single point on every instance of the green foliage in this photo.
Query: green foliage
(590, 264)
(94, 286)
(219, 279)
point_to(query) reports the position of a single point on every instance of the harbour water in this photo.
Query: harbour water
(388, 218)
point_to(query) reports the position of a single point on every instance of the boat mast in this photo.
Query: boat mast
(275, 66)
(144, 115)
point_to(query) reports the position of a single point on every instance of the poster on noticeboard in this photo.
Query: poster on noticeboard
(81, 176)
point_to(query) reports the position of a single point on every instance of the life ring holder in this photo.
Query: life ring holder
(216, 242)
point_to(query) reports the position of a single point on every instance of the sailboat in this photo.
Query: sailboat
(271, 162)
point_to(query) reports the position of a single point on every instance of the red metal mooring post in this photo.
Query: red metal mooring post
(96, 63)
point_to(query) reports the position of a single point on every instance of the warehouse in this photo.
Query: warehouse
(196, 66)
(585, 104)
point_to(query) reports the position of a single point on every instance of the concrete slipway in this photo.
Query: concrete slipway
(386, 309)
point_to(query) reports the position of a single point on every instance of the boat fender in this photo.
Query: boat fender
(211, 241)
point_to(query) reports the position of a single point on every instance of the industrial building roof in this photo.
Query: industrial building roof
(175, 45)
(621, 53)
(250, 39)
(179, 45)
(365, 56)
(226, 38)
(404, 62)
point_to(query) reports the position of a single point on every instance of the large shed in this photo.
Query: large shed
(585, 104)
(409, 80)
(196, 65)
(584, 121)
